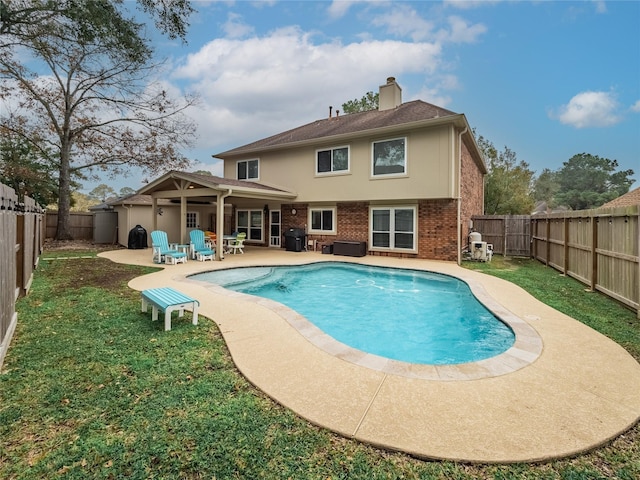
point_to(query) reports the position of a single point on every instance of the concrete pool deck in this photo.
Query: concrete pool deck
(578, 391)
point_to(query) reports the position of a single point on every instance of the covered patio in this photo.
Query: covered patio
(192, 188)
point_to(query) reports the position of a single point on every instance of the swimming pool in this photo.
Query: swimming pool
(406, 315)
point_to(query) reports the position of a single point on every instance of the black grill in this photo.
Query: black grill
(294, 239)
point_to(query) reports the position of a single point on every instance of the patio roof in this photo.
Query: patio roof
(176, 184)
(194, 187)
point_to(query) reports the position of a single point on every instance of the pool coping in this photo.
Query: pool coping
(581, 392)
(525, 350)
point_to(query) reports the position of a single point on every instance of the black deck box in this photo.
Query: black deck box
(327, 249)
(350, 249)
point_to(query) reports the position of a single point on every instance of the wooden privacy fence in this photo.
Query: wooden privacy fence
(509, 234)
(81, 224)
(597, 247)
(21, 241)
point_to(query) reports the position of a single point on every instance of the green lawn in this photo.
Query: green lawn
(91, 388)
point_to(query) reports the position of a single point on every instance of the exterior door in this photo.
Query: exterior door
(193, 221)
(275, 233)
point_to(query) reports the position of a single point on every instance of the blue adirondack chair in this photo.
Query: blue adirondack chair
(161, 248)
(199, 248)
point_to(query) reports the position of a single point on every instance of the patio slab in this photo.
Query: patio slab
(578, 391)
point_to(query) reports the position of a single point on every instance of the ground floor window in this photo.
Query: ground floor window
(393, 228)
(251, 223)
(322, 220)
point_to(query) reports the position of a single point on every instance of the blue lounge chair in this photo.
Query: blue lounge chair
(162, 252)
(200, 249)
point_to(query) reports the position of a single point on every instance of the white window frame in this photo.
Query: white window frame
(257, 177)
(334, 221)
(332, 171)
(248, 228)
(393, 174)
(392, 230)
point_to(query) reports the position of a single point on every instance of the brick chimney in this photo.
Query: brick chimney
(390, 95)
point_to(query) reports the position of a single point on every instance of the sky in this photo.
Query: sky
(546, 79)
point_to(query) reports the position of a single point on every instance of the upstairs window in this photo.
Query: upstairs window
(248, 169)
(334, 160)
(389, 157)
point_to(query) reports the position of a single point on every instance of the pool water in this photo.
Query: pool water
(407, 315)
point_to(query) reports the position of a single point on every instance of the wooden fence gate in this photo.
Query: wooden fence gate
(509, 234)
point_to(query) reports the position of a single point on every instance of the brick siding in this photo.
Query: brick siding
(437, 229)
(471, 193)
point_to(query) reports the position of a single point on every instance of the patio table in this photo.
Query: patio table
(184, 248)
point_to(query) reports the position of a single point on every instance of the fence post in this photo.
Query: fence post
(548, 243)
(20, 251)
(504, 235)
(565, 263)
(594, 246)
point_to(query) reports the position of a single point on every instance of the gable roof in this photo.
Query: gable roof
(630, 198)
(242, 188)
(408, 113)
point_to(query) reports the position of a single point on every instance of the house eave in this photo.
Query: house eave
(458, 120)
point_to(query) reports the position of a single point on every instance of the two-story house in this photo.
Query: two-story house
(405, 179)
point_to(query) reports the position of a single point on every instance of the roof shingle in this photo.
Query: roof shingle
(408, 112)
(630, 198)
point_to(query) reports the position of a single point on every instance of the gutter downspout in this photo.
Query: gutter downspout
(459, 193)
(220, 223)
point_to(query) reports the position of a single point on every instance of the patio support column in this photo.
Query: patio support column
(220, 223)
(154, 213)
(183, 219)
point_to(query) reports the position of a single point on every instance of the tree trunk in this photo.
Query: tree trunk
(63, 232)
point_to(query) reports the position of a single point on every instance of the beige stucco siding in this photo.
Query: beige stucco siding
(142, 215)
(429, 170)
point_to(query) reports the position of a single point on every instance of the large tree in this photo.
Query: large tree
(102, 193)
(98, 19)
(24, 170)
(508, 184)
(589, 181)
(369, 101)
(89, 99)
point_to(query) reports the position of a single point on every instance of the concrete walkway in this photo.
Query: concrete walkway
(568, 388)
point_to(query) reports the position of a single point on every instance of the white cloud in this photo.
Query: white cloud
(601, 6)
(234, 27)
(404, 21)
(259, 86)
(636, 107)
(590, 109)
(462, 32)
(339, 8)
(469, 4)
